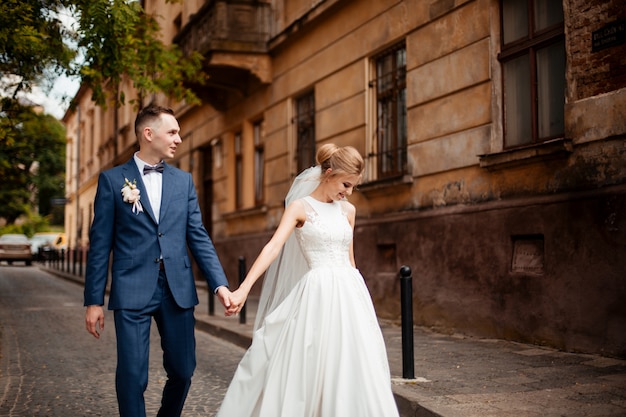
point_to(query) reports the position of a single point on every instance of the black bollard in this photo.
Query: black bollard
(242, 276)
(406, 302)
(211, 302)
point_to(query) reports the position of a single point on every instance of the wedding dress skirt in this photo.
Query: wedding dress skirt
(320, 353)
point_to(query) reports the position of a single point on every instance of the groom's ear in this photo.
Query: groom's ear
(147, 133)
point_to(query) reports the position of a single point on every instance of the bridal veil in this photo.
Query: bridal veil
(290, 265)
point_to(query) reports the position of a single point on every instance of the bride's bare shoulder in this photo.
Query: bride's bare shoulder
(297, 210)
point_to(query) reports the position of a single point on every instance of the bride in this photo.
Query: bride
(317, 349)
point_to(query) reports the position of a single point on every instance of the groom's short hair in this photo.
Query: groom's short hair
(147, 115)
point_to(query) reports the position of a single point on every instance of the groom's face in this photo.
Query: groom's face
(165, 136)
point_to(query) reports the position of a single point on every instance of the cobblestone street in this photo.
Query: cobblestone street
(50, 366)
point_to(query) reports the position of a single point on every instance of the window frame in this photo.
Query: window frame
(304, 109)
(238, 148)
(529, 45)
(391, 149)
(259, 162)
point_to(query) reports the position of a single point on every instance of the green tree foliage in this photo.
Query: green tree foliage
(114, 40)
(32, 224)
(33, 44)
(32, 161)
(104, 43)
(120, 41)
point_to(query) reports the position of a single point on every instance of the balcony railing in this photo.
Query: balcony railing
(227, 26)
(232, 36)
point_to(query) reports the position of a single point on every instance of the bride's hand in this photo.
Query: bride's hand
(237, 300)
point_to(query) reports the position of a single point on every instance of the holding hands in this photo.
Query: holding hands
(232, 301)
(238, 299)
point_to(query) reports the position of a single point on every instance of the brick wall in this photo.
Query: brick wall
(593, 72)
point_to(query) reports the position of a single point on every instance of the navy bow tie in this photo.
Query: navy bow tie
(157, 168)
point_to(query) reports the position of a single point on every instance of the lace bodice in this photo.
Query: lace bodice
(326, 235)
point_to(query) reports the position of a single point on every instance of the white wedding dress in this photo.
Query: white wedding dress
(320, 352)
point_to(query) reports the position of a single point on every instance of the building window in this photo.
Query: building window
(533, 64)
(305, 131)
(391, 128)
(238, 171)
(259, 162)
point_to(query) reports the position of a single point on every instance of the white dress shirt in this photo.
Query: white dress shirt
(154, 186)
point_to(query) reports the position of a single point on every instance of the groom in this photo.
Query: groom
(146, 213)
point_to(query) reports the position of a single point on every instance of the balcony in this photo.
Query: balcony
(232, 35)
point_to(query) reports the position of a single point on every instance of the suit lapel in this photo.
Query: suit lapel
(132, 172)
(167, 190)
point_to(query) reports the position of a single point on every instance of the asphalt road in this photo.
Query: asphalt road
(50, 366)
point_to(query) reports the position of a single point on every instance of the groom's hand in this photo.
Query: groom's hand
(224, 294)
(237, 300)
(94, 320)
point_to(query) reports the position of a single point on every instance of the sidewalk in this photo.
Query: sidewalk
(457, 376)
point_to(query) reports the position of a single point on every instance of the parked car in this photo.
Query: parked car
(15, 247)
(45, 244)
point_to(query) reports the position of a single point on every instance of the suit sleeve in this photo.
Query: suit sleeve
(200, 243)
(101, 236)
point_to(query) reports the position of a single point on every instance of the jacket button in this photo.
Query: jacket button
(156, 260)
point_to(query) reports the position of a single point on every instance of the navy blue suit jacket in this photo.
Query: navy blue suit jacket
(137, 241)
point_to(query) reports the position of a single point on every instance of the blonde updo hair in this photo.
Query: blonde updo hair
(341, 160)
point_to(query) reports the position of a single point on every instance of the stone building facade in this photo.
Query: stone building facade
(493, 130)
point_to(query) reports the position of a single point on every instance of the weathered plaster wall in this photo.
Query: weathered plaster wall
(466, 279)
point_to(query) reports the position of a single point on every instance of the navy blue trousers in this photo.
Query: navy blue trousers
(176, 328)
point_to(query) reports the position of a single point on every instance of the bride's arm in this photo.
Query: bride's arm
(294, 216)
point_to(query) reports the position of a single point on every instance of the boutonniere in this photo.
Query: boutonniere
(130, 193)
